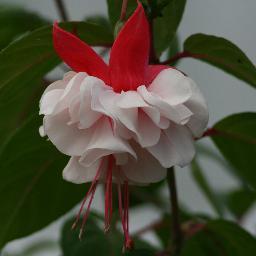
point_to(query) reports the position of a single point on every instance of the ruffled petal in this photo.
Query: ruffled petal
(172, 86)
(104, 142)
(67, 138)
(87, 115)
(49, 101)
(179, 114)
(175, 147)
(130, 52)
(53, 93)
(146, 169)
(61, 84)
(125, 109)
(70, 92)
(153, 71)
(78, 55)
(197, 104)
(77, 173)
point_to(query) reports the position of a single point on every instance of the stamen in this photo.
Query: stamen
(108, 194)
(86, 214)
(124, 215)
(91, 190)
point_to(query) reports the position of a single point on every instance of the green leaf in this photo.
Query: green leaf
(15, 21)
(205, 187)
(222, 54)
(32, 191)
(114, 10)
(101, 21)
(240, 201)
(220, 238)
(26, 61)
(140, 253)
(236, 139)
(165, 27)
(94, 238)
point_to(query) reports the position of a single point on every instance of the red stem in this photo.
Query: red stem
(184, 54)
(123, 10)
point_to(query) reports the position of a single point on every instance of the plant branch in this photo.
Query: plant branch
(178, 56)
(210, 132)
(177, 236)
(152, 54)
(123, 10)
(61, 9)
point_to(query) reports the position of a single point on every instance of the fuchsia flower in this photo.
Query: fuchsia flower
(125, 122)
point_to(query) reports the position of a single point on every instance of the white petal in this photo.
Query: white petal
(104, 142)
(67, 138)
(71, 91)
(87, 115)
(179, 114)
(77, 173)
(41, 131)
(74, 110)
(49, 101)
(198, 106)
(131, 99)
(172, 86)
(175, 147)
(146, 169)
(61, 84)
(147, 133)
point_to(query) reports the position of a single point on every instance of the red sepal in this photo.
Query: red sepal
(130, 52)
(78, 55)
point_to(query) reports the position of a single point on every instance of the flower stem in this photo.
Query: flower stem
(152, 55)
(61, 9)
(177, 237)
(123, 10)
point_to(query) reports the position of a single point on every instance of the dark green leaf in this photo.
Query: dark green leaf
(240, 201)
(162, 228)
(33, 193)
(165, 27)
(236, 139)
(220, 238)
(15, 21)
(140, 253)
(205, 187)
(93, 241)
(114, 10)
(222, 54)
(94, 238)
(101, 21)
(27, 60)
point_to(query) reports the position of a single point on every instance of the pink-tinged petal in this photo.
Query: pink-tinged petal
(130, 52)
(146, 169)
(78, 55)
(67, 138)
(172, 86)
(196, 103)
(77, 173)
(175, 147)
(103, 142)
(153, 71)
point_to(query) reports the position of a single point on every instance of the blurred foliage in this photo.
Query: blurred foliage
(235, 137)
(205, 187)
(219, 238)
(33, 193)
(110, 243)
(223, 54)
(15, 21)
